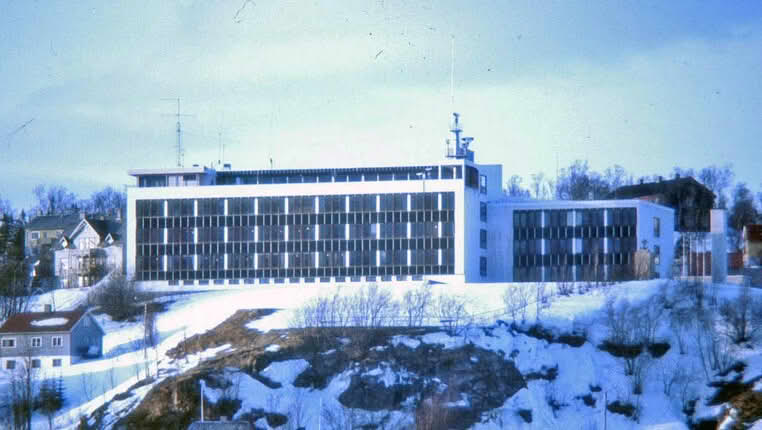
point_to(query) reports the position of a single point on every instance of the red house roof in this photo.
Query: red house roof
(39, 322)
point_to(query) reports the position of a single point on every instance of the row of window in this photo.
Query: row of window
(521, 233)
(400, 257)
(36, 363)
(572, 273)
(352, 203)
(214, 248)
(298, 219)
(567, 246)
(295, 233)
(34, 342)
(264, 275)
(329, 175)
(574, 217)
(584, 259)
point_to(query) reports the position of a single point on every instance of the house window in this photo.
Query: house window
(657, 227)
(483, 239)
(10, 364)
(9, 343)
(36, 363)
(44, 234)
(483, 184)
(483, 266)
(35, 235)
(483, 211)
(56, 362)
(35, 342)
(657, 255)
(57, 341)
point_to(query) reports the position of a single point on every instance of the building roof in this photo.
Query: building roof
(220, 425)
(42, 322)
(104, 227)
(753, 232)
(54, 222)
(653, 188)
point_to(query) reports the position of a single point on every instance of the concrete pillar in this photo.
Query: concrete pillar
(719, 245)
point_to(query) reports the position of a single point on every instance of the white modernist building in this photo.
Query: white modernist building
(447, 221)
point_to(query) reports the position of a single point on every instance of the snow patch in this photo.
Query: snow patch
(49, 322)
(285, 372)
(272, 348)
(407, 341)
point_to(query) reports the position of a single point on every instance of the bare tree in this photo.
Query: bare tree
(416, 304)
(742, 317)
(54, 200)
(681, 321)
(543, 299)
(452, 312)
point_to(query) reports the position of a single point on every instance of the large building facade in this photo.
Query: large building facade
(197, 226)
(447, 221)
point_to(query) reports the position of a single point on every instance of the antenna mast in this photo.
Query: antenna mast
(179, 144)
(452, 72)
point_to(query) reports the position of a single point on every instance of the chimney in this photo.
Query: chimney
(227, 167)
(661, 178)
(677, 176)
(641, 181)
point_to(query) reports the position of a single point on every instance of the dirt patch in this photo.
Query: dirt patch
(232, 331)
(621, 350)
(749, 406)
(537, 331)
(623, 408)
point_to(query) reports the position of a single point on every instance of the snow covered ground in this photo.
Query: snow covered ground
(92, 383)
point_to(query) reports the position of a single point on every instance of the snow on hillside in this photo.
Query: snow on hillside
(581, 371)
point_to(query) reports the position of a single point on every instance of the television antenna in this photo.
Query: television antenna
(180, 152)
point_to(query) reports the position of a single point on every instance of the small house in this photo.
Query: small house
(49, 339)
(89, 250)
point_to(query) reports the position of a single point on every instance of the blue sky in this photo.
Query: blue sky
(648, 85)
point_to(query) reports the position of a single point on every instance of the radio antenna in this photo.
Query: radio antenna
(180, 152)
(452, 71)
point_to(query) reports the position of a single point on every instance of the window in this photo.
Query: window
(482, 266)
(56, 362)
(35, 235)
(657, 227)
(36, 364)
(483, 184)
(35, 342)
(483, 239)
(9, 343)
(483, 211)
(57, 341)
(657, 255)
(10, 364)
